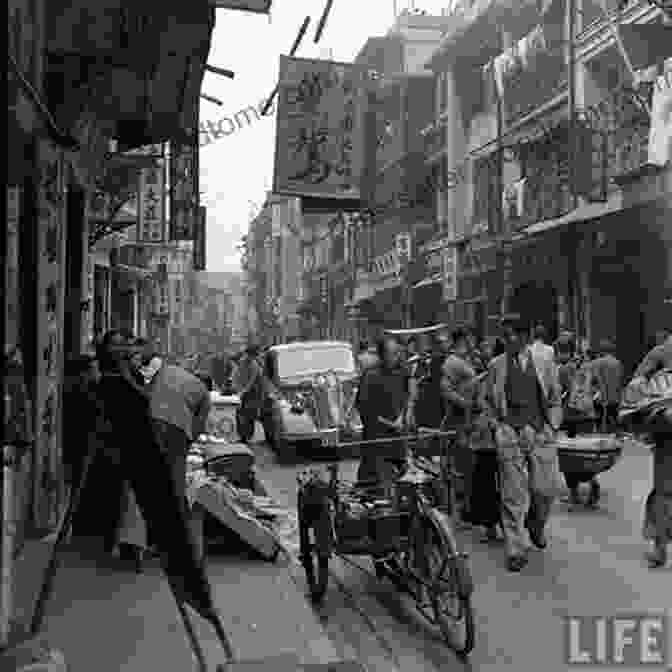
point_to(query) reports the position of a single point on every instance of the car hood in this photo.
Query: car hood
(295, 381)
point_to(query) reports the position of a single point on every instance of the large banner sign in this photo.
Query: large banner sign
(319, 130)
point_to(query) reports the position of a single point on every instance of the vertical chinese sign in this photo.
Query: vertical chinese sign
(449, 257)
(183, 193)
(48, 492)
(199, 240)
(319, 129)
(152, 202)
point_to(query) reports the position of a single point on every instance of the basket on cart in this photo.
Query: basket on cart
(589, 454)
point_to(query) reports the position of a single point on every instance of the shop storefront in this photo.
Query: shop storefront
(626, 268)
(543, 280)
(477, 292)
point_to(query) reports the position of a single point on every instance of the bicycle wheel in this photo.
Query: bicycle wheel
(450, 601)
(312, 554)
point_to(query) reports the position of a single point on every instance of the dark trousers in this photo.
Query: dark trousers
(485, 505)
(174, 445)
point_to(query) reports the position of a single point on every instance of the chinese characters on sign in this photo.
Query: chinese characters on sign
(182, 193)
(151, 215)
(319, 129)
(199, 240)
(449, 255)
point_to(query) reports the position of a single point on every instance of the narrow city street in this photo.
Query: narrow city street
(593, 566)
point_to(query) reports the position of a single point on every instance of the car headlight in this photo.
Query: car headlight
(298, 404)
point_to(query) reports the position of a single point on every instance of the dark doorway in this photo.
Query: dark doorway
(537, 303)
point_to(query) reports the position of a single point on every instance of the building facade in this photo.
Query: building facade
(64, 121)
(541, 192)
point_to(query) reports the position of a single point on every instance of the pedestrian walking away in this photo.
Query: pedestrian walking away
(249, 384)
(608, 374)
(524, 399)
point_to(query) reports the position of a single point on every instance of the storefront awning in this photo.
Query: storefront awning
(143, 67)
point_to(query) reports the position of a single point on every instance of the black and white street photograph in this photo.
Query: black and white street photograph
(337, 336)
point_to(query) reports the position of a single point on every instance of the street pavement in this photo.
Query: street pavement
(109, 621)
(593, 566)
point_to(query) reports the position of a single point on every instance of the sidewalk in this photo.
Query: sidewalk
(110, 621)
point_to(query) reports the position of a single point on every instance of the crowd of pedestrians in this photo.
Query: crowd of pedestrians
(508, 400)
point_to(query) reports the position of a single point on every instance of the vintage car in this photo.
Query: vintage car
(311, 394)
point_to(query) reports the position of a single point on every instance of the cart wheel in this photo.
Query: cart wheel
(452, 608)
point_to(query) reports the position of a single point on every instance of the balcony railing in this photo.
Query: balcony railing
(621, 119)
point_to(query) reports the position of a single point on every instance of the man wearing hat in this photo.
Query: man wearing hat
(524, 398)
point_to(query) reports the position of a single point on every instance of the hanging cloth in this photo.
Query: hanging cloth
(660, 135)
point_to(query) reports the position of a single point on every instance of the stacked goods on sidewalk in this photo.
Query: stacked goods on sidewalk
(223, 484)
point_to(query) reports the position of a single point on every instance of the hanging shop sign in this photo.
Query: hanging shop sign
(155, 151)
(183, 196)
(402, 245)
(12, 299)
(48, 494)
(319, 131)
(449, 259)
(199, 259)
(151, 203)
(133, 256)
(161, 302)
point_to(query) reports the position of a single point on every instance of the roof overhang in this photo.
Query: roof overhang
(255, 6)
(146, 82)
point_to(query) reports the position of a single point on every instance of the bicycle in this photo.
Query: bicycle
(405, 525)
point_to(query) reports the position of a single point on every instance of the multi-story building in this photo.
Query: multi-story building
(257, 262)
(549, 198)
(285, 270)
(400, 212)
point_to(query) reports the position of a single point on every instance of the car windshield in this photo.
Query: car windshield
(308, 361)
